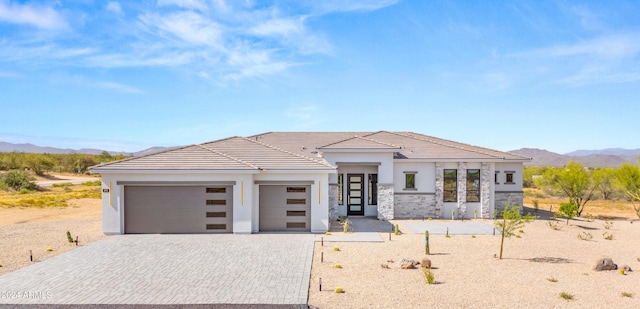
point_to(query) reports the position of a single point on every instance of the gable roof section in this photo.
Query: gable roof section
(360, 143)
(234, 153)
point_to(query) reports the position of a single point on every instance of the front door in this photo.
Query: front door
(355, 197)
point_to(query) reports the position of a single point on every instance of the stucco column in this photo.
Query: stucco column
(439, 197)
(485, 191)
(462, 189)
(385, 201)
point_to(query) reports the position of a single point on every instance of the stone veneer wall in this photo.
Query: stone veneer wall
(485, 191)
(385, 201)
(439, 196)
(333, 201)
(462, 189)
(414, 206)
(513, 197)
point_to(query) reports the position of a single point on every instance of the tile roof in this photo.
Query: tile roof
(234, 153)
(299, 151)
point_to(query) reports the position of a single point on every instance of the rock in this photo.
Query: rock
(408, 264)
(426, 262)
(626, 268)
(605, 264)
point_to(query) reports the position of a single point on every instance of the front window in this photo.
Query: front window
(473, 185)
(409, 180)
(509, 177)
(373, 189)
(450, 185)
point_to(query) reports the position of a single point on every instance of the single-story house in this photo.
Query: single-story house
(299, 181)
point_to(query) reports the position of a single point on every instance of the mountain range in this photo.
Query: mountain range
(30, 148)
(610, 157)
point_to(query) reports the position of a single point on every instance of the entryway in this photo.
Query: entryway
(355, 196)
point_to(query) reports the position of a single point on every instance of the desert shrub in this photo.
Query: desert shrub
(339, 290)
(626, 294)
(608, 224)
(428, 275)
(554, 225)
(337, 265)
(585, 236)
(568, 210)
(18, 180)
(607, 236)
(567, 296)
(621, 271)
(49, 249)
(396, 230)
(92, 183)
(346, 225)
(536, 205)
(425, 263)
(336, 249)
(552, 279)
(62, 185)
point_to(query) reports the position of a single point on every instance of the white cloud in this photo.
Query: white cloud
(189, 27)
(114, 7)
(328, 6)
(39, 16)
(613, 46)
(280, 26)
(118, 87)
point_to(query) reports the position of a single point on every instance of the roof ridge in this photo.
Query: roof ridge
(287, 152)
(435, 140)
(229, 157)
(143, 156)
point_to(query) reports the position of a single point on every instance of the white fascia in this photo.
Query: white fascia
(182, 172)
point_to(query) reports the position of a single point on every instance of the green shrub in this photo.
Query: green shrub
(428, 275)
(92, 183)
(554, 225)
(626, 294)
(339, 290)
(61, 185)
(337, 265)
(18, 180)
(552, 279)
(607, 236)
(565, 295)
(336, 249)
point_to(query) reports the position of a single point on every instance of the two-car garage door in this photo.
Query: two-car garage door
(178, 209)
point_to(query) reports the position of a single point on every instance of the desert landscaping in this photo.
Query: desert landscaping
(547, 265)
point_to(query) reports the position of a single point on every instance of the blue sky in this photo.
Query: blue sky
(127, 75)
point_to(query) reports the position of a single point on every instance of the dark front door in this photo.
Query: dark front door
(355, 196)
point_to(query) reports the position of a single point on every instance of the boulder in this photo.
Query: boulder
(605, 264)
(408, 264)
(425, 262)
(627, 268)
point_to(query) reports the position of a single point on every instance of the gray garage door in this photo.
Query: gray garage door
(178, 209)
(285, 208)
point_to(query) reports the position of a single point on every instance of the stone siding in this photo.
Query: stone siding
(415, 206)
(485, 191)
(385, 201)
(513, 197)
(439, 196)
(462, 189)
(333, 202)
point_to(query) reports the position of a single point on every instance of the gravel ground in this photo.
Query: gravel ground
(469, 276)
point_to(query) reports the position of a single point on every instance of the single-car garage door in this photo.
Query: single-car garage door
(178, 209)
(285, 208)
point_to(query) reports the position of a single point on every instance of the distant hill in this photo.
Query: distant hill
(590, 158)
(30, 148)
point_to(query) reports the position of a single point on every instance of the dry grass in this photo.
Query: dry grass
(618, 209)
(51, 197)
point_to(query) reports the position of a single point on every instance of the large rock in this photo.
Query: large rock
(627, 268)
(605, 264)
(408, 264)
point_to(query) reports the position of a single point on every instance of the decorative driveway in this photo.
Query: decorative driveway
(170, 269)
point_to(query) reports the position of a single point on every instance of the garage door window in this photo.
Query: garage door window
(296, 213)
(216, 226)
(216, 202)
(296, 189)
(296, 225)
(216, 190)
(217, 214)
(296, 201)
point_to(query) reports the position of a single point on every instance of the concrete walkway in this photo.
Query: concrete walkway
(170, 269)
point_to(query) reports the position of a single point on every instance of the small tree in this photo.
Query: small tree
(511, 222)
(568, 210)
(629, 177)
(574, 182)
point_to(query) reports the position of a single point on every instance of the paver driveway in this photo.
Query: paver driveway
(170, 269)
